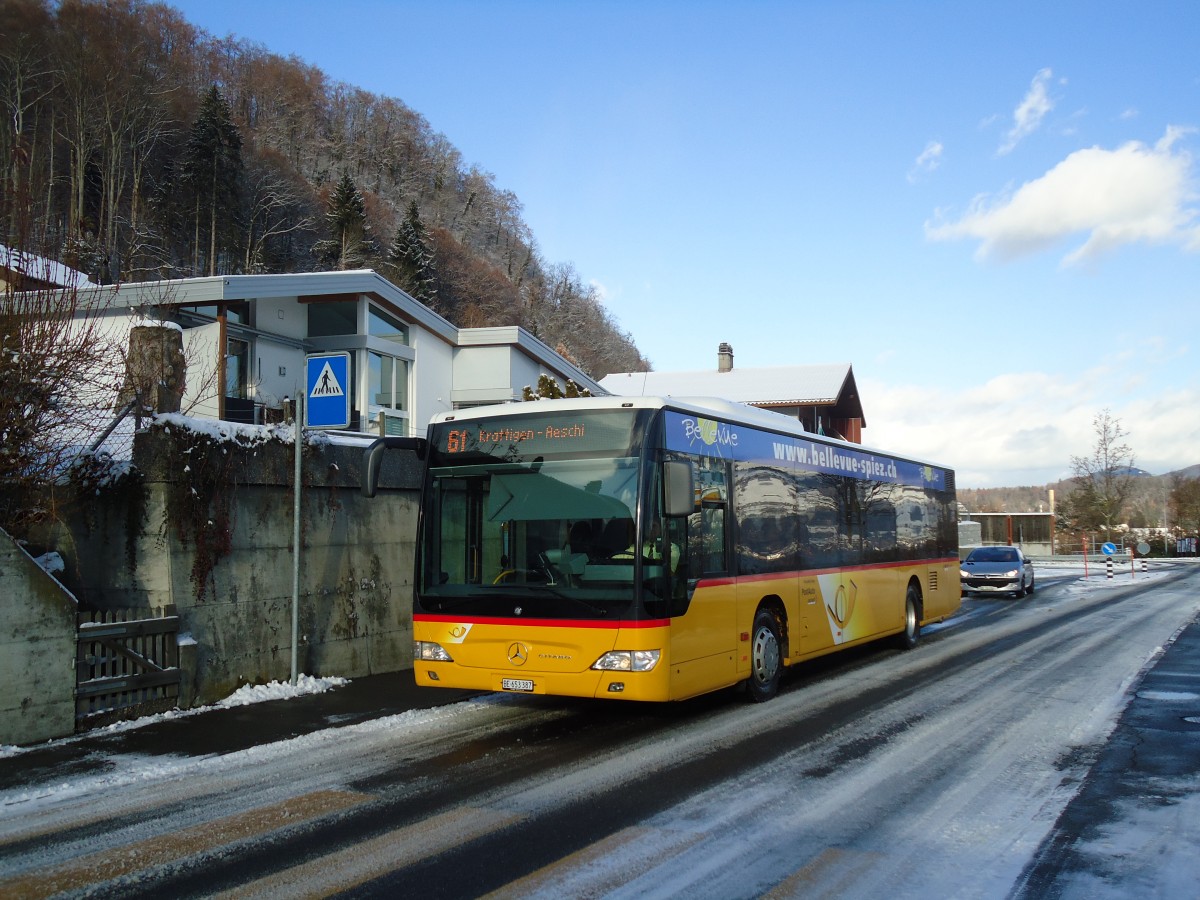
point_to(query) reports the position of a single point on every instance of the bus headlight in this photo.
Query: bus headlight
(431, 652)
(628, 661)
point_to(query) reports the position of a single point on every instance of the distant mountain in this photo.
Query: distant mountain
(1189, 472)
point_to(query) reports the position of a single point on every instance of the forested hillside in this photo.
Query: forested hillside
(134, 147)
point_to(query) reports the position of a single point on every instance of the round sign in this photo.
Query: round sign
(1143, 549)
(1108, 549)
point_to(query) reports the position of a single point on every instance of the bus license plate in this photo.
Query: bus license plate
(516, 684)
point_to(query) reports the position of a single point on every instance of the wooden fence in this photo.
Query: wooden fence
(126, 665)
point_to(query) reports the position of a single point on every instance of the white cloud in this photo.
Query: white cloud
(1029, 112)
(1023, 428)
(928, 161)
(601, 289)
(1134, 194)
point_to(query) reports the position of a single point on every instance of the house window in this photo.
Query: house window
(382, 325)
(387, 391)
(237, 369)
(236, 313)
(329, 319)
(238, 403)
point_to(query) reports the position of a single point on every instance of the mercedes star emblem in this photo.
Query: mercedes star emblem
(517, 654)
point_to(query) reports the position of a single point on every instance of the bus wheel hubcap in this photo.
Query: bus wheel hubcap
(766, 655)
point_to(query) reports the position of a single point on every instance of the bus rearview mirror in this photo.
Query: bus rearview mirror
(680, 498)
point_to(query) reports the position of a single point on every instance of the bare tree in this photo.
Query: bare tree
(27, 78)
(57, 386)
(1103, 480)
(102, 152)
(274, 210)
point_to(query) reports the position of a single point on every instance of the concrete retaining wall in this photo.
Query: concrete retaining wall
(208, 528)
(37, 651)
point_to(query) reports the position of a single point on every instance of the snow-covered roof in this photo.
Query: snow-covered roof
(39, 268)
(771, 385)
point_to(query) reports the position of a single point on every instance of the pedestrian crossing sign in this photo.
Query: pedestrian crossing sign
(327, 391)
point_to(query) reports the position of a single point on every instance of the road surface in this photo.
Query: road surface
(938, 772)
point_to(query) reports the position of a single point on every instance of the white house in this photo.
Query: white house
(824, 398)
(246, 339)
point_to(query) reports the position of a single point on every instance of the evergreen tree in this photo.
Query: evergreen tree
(549, 389)
(349, 241)
(212, 176)
(411, 255)
(1184, 502)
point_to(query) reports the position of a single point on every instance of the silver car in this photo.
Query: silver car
(1001, 570)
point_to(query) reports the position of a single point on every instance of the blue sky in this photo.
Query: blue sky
(989, 210)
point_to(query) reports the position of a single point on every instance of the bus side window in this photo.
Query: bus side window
(714, 539)
(707, 538)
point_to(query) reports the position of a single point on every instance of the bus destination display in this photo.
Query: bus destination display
(529, 437)
(459, 440)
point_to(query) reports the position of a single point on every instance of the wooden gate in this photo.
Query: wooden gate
(126, 665)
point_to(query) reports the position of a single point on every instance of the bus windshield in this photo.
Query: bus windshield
(534, 518)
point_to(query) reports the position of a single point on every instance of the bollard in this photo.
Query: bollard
(1143, 564)
(1109, 565)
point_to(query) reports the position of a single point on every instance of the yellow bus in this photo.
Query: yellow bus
(658, 548)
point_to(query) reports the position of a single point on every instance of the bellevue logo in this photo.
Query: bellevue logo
(709, 432)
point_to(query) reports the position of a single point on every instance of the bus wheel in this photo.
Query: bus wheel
(766, 665)
(911, 635)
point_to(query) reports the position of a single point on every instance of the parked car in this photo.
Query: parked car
(1000, 570)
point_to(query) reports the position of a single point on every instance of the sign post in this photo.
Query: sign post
(298, 432)
(325, 403)
(1108, 549)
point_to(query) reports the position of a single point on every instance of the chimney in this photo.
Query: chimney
(155, 369)
(724, 358)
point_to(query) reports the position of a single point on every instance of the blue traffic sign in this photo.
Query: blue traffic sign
(327, 390)
(1108, 549)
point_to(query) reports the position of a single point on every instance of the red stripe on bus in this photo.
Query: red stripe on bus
(540, 623)
(865, 567)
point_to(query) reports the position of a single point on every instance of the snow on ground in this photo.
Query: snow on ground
(1093, 574)
(131, 769)
(243, 696)
(280, 690)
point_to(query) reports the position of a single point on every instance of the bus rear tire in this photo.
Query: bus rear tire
(911, 635)
(766, 658)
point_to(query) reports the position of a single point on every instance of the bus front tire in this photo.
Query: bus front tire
(911, 635)
(766, 662)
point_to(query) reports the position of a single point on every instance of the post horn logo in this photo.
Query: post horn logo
(843, 604)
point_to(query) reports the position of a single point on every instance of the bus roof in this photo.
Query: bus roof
(714, 407)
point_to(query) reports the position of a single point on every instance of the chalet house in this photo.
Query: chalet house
(246, 339)
(824, 398)
(20, 271)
